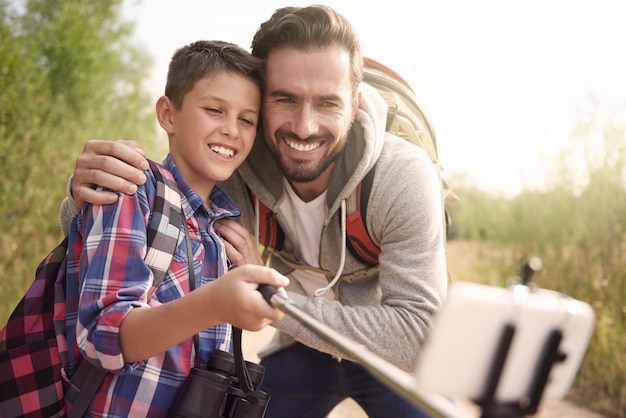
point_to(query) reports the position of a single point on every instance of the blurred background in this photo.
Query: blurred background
(527, 100)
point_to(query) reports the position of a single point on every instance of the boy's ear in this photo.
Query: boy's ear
(165, 114)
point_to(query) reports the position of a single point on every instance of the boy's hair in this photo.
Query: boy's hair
(310, 28)
(201, 59)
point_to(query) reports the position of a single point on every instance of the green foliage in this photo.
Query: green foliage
(68, 72)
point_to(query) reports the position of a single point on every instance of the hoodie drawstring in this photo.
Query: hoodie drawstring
(342, 261)
(257, 215)
(322, 290)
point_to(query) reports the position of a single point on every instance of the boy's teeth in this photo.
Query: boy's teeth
(226, 152)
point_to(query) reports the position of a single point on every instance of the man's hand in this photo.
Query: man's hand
(116, 165)
(240, 247)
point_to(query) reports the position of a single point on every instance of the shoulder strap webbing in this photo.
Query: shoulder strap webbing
(270, 233)
(164, 225)
(358, 239)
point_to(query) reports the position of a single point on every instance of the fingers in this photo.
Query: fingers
(251, 311)
(267, 276)
(134, 145)
(240, 247)
(128, 151)
(116, 165)
(85, 194)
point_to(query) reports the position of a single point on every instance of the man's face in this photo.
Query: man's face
(307, 110)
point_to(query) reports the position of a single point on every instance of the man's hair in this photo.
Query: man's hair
(202, 59)
(310, 28)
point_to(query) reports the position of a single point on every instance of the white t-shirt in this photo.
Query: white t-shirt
(307, 219)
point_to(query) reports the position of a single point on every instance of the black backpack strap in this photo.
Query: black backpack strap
(163, 231)
(87, 380)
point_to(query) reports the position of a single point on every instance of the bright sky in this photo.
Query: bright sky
(501, 81)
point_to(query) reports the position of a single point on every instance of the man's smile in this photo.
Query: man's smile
(303, 147)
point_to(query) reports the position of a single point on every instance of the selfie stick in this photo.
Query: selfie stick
(395, 378)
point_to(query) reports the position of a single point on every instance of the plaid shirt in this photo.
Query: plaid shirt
(107, 277)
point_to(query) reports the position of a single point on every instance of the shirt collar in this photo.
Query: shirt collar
(221, 205)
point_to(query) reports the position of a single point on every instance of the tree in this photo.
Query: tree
(68, 72)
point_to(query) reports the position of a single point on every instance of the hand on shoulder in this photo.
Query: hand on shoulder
(116, 165)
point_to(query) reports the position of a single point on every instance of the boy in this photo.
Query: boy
(210, 112)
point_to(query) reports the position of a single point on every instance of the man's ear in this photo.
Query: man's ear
(165, 114)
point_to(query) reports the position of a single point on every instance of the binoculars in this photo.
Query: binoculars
(216, 392)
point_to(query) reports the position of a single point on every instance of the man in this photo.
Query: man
(322, 131)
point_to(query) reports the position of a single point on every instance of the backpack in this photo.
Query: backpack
(405, 119)
(33, 347)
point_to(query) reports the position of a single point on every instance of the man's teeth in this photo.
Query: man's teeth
(303, 147)
(223, 151)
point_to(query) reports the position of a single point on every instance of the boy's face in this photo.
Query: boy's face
(308, 110)
(214, 130)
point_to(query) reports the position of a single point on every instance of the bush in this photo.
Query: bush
(68, 72)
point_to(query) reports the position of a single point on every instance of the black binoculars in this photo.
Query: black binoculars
(216, 392)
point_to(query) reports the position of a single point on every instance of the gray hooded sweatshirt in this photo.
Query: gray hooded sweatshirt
(387, 309)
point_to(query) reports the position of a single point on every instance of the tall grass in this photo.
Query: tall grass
(580, 234)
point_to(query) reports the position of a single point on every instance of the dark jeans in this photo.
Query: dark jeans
(305, 383)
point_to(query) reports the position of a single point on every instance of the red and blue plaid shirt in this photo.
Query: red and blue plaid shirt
(107, 277)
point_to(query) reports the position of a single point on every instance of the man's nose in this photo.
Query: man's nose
(305, 122)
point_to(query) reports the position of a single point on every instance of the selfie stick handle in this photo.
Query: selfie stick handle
(398, 380)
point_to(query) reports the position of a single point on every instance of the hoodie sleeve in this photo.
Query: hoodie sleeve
(69, 208)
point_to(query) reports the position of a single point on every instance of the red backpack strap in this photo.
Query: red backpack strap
(270, 233)
(357, 238)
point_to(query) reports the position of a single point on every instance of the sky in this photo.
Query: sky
(504, 83)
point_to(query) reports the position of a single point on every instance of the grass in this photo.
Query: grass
(601, 381)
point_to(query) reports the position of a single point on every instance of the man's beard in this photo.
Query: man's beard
(303, 171)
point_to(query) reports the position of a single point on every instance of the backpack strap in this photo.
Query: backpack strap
(358, 239)
(162, 236)
(87, 378)
(164, 225)
(270, 233)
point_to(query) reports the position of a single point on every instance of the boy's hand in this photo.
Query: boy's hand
(116, 165)
(240, 247)
(235, 299)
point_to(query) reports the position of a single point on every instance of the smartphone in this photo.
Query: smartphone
(460, 351)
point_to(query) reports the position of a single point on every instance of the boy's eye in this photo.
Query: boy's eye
(213, 110)
(248, 121)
